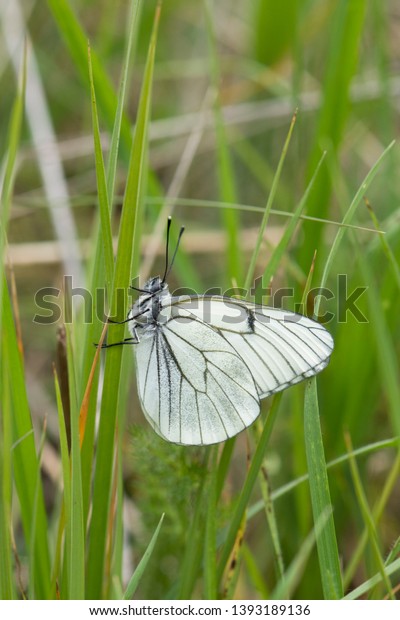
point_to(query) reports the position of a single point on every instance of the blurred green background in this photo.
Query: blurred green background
(228, 77)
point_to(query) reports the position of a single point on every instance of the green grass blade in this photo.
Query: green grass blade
(256, 577)
(98, 268)
(344, 44)
(328, 554)
(137, 575)
(368, 518)
(268, 207)
(274, 29)
(280, 249)
(377, 512)
(387, 250)
(6, 410)
(248, 486)
(76, 548)
(386, 349)
(6, 568)
(226, 175)
(286, 586)
(104, 206)
(66, 469)
(76, 41)
(348, 217)
(7, 186)
(191, 564)
(210, 539)
(133, 27)
(287, 488)
(128, 244)
(271, 519)
(25, 461)
(365, 587)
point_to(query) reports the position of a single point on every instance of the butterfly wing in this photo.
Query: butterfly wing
(279, 347)
(193, 386)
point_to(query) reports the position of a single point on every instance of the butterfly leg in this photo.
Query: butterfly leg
(130, 340)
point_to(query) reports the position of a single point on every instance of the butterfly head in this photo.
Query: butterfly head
(153, 306)
(155, 285)
(147, 310)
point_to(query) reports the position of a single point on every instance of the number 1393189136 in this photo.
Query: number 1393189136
(271, 610)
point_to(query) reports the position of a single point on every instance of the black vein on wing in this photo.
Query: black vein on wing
(147, 371)
(198, 414)
(229, 399)
(314, 326)
(263, 361)
(290, 345)
(216, 410)
(297, 335)
(168, 346)
(180, 409)
(207, 370)
(157, 339)
(167, 364)
(176, 359)
(299, 377)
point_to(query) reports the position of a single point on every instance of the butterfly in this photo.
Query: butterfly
(203, 363)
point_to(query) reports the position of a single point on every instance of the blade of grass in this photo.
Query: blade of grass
(217, 204)
(387, 250)
(25, 462)
(104, 206)
(274, 29)
(344, 48)
(97, 268)
(248, 486)
(367, 517)
(76, 41)
(386, 349)
(328, 554)
(141, 567)
(65, 516)
(128, 244)
(280, 249)
(38, 489)
(135, 10)
(349, 216)
(286, 488)
(17, 114)
(319, 486)
(254, 573)
(286, 586)
(190, 567)
(226, 175)
(223, 465)
(268, 207)
(365, 587)
(76, 548)
(6, 412)
(377, 512)
(6, 568)
(210, 539)
(269, 510)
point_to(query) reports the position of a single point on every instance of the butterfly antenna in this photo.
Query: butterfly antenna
(166, 249)
(169, 267)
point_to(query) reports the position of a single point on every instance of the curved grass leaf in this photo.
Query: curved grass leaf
(141, 567)
(128, 246)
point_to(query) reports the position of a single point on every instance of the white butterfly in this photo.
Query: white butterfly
(203, 363)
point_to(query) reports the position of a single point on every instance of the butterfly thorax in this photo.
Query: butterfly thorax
(147, 311)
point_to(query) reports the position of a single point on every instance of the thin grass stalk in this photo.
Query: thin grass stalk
(368, 518)
(128, 245)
